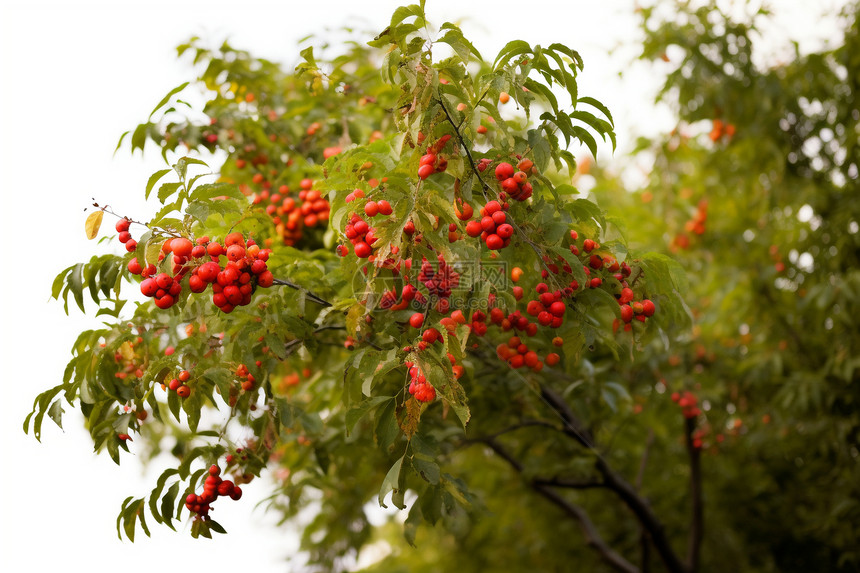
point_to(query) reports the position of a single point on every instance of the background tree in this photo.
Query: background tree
(531, 442)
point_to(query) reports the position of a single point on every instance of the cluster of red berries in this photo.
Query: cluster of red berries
(518, 355)
(696, 225)
(179, 385)
(314, 208)
(431, 162)
(233, 284)
(164, 288)
(213, 487)
(548, 307)
(514, 184)
(630, 309)
(361, 235)
(514, 320)
(418, 386)
(492, 227)
(124, 236)
(290, 218)
(688, 403)
(248, 378)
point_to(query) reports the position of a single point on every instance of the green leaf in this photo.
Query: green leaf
(387, 428)
(595, 103)
(166, 98)
(153, 179)
(391, 483)
(510, 50)
(427, 468)
(362, 409)
(167, 190)
(167, 505)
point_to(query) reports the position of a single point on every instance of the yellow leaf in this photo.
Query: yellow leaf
(94, 221)
(409, 421)
(126, 350)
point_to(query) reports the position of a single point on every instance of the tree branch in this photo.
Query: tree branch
(572, 427)
(618, 484)
(644, 539)
(694, 543)
(568, 483)
(484, 186)
(308, 294)
(592, 537)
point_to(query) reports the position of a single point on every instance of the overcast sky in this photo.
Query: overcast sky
(75, 75)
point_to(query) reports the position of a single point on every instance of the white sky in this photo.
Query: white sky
(77, 75)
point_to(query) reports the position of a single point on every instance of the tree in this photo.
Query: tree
(531, 390)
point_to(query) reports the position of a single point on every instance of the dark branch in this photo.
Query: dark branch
(644, 538)
(618, 484)
(524, 424)
(592, 537)
(572, 427)
(308, 294)
(568, 483)
(697, 519)
(484, 186)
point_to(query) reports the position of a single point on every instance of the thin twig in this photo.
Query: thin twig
(308, 294)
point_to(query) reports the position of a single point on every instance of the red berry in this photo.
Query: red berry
(362, 250)
(505, 231)
(495, 242)
(504, 171)
(134, 267)
(425, 171)
(648, 308)
(266, 279)
(474, 228)
(181, 247)
(122, 225)
(148, 287)
(626, 313)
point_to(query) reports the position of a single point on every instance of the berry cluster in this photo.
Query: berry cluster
(248, 378)
(418, 386)
(314, 208)
(518, 355)
(688, 403)
(721, 128)
(179, 385)
(493, 227)
(213, 487)
(432, 162)
(361, 235)
(695, 225)
(124, 236)
(233, 284)
(514, 184)
(163, 288)
(548, 308)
